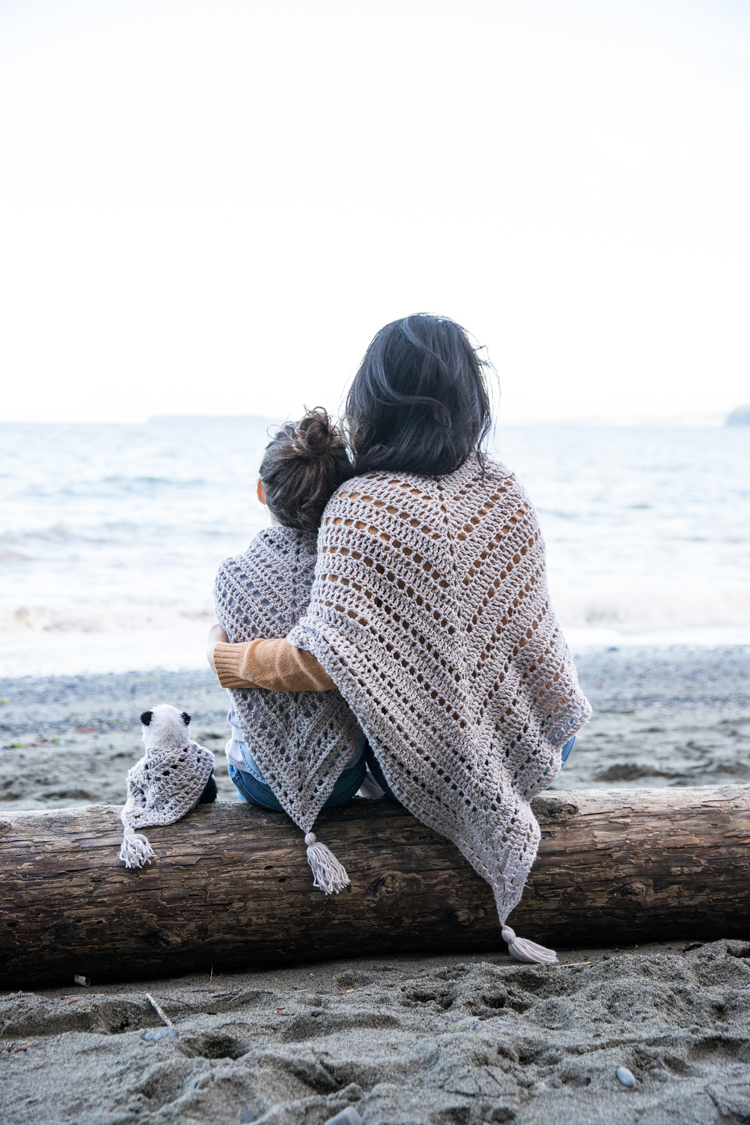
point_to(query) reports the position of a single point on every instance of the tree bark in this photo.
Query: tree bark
(231, 887)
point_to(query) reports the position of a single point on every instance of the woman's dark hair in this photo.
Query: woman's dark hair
(302, 467)
(419, 402)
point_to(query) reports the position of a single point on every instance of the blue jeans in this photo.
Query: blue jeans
(567, 750)
(255, 792)
(373, 766)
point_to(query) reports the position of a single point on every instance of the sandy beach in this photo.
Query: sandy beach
(440, 1040)
(671, 716)
(453, 295)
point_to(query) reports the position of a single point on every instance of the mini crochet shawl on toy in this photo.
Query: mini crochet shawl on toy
(162, 787)
(430, 612)
(301, 740)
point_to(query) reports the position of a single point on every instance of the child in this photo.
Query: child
(281, 741)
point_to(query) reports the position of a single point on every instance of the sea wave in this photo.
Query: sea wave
(632, 606)
(645, 605)
(55, 533)
(127, 532)
(125, 616)
(110, 536)
(169, 482)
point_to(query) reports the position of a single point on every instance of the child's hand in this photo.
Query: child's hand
(216, 635)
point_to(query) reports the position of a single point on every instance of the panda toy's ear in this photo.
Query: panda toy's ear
(186, 718)
(146, 717)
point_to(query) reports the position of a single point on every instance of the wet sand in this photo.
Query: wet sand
(673, 716)
(406, 1040)
(439, 1040)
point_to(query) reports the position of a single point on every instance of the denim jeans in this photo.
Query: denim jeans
(255, 792)
(567, 750)
(373, 766)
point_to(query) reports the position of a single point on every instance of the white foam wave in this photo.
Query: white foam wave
(646, 606)
(130, 635)
(627, 607)
(110, 536)
(182, 646)
(112, 619)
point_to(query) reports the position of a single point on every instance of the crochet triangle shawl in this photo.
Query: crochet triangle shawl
(162, 787)
(300, 740)
(430, 612)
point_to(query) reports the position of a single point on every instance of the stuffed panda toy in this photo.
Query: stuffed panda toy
(174, 775)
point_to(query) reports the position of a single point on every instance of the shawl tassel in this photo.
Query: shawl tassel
(135, 850)
(524, 950)
(328, 874)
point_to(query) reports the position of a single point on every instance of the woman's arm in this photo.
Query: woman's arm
(272, 664)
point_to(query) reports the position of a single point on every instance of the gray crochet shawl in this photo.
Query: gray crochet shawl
(430, 612)
(300, 740)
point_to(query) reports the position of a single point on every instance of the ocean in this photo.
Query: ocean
(110, 535)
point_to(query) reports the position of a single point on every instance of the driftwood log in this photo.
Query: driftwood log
(231, 887)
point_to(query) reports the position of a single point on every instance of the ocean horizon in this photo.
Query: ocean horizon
(110, 534)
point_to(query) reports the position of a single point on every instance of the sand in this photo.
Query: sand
(674, 716)
(436, 1040)
(440, 1040)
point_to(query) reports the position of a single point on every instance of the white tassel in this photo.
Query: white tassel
(329, 875)
(370, 788)
(524, 950)
(136, 850)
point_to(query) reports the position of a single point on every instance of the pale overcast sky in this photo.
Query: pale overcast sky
(211, 206)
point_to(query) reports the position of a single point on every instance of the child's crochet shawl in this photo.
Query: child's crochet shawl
(300, 740)
(430, 612)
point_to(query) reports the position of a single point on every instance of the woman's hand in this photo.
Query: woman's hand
(216, 635)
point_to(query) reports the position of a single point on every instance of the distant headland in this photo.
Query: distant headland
(739, 417)
(239, 419)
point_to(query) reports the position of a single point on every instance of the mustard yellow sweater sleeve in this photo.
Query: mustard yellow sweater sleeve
(272, 664)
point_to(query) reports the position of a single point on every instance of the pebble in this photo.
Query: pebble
(626, 1076)
(160, 1034)
(348, 1116)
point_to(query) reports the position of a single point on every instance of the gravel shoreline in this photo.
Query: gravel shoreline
(450, 1040)
(614, 679)
(406, 1040)
(670, 716)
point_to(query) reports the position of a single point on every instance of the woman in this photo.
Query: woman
(430, 613)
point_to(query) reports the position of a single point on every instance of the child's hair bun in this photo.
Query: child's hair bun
(315, 435)
(302, 467)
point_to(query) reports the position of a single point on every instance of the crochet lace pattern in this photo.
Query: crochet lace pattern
(430, 612)
(300, 740)
(166, 784)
